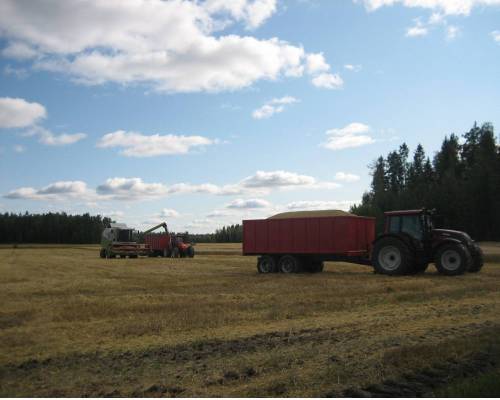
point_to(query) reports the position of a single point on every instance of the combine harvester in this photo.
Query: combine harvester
(302, 241)
(119, 240)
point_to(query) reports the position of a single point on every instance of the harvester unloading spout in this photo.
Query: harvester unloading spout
(163, 224)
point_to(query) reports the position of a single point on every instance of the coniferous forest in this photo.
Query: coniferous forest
(461, 181)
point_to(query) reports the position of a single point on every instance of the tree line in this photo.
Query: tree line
(59, 228)
(462, 182)
(226, 234)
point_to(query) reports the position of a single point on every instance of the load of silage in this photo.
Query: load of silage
(315, 213)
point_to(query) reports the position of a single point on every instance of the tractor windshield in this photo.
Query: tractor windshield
(410, 224)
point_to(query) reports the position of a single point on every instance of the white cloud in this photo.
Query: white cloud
(245, 204)
(320, 205)
(172, 46)
(169, 213)
(448, 7)
(452, 32)
(419, 29)
(346, 177)
(135, 189)
(55, 191)
(328, 81)
(353, 135)
(353, 67)
(19, 113)
(263, 179)
(135, 144)
(254, 13)
(19, 51)
(18, 148)
(316, 63)
(496, 36)
(131, 189)
(274, 106)
(50, 139)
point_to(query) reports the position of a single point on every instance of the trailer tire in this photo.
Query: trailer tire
(102, 253)
(392, 256)
(477, 260)
(289, 264)
(266, 265)
(453, 259)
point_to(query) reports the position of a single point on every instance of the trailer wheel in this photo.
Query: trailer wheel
(266, 265)
(477, 261)
(392, 257)
(453, 259)
(289, 264)
(102, 253)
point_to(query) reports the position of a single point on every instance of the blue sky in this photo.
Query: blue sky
(204, 113)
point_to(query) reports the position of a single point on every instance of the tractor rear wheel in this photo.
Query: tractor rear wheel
(477, 261)
(266, 265)
(289, 264)
(392, 256)
(190, 251)
(453, 259)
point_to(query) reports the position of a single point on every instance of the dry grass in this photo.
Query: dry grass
(72, 324)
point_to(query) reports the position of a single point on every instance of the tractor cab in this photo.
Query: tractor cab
(418, 224)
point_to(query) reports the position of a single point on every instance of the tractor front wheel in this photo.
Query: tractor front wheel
(453, 259)
(477, 261)
(392, 256)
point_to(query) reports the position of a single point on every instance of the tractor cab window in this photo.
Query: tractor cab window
(410, 224)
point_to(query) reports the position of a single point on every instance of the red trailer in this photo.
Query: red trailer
(303, 243)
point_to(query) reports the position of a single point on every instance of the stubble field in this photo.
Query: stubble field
(72, 324)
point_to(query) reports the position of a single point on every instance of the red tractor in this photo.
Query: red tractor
(167, 245)
(410, 242)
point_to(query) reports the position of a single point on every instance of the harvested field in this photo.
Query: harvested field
(72, 324)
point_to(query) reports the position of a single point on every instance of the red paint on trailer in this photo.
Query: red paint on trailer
(342, 235)
(158, 241)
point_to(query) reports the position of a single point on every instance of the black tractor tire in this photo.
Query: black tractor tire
(315, 266)
(289, 264)
(453, 259)
(102, 253)
(266, 265)
(477, 261)
(175, 253)
(392, 256)
(190, 251)
(133, 256)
